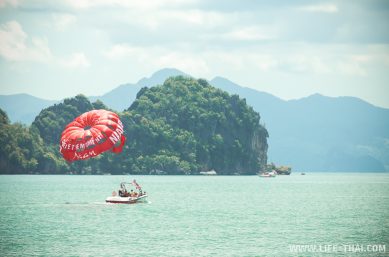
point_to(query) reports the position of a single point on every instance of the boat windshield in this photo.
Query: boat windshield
(130, 189)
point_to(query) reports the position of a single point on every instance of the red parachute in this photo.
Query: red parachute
(90, 134)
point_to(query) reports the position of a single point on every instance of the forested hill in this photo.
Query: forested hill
(199, 125)
(315, 133)
(181, 127)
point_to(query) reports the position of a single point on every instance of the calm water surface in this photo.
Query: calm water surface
(192, 215)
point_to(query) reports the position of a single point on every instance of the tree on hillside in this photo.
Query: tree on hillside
(51, 121)
(21, 150)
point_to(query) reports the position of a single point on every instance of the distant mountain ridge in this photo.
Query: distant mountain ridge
(23, 108)
(314, 133)
(321, 133)
(121, 97)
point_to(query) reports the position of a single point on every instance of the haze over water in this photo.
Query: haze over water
(193, 215)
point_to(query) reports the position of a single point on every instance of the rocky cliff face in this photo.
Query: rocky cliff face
(259, 146)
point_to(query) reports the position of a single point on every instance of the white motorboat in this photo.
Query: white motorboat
(125, 200)
(268, 174)
(127, 195)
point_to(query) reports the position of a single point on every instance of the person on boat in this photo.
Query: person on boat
(120, 192)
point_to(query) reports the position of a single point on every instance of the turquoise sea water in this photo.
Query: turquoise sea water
(194, 216)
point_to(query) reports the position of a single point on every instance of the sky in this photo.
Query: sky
(291, 49)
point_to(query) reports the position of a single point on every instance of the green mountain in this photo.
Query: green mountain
(181, 127)
(35, 148)
(315, 133)
(203, 127)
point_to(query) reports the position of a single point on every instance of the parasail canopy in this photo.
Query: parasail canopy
(91, 134)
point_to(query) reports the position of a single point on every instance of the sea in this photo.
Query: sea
(319, 214)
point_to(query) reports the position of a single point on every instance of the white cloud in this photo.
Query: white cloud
(355, 65)
(351, 68)
(371, 61)
(122, 51)
(195, 65)
(196, 17)
(16, 45)
(159, 57)
(294, 58)
(63, 21)
(174, 19)
(325, 8)
(203, 62)
(266, 62)
(75, 61)
(252, 33)
(305, 62)
(4, 3)
(130, 4)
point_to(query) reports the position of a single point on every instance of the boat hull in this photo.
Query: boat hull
(125, 200)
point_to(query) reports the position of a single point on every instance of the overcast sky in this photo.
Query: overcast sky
(57, 49)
